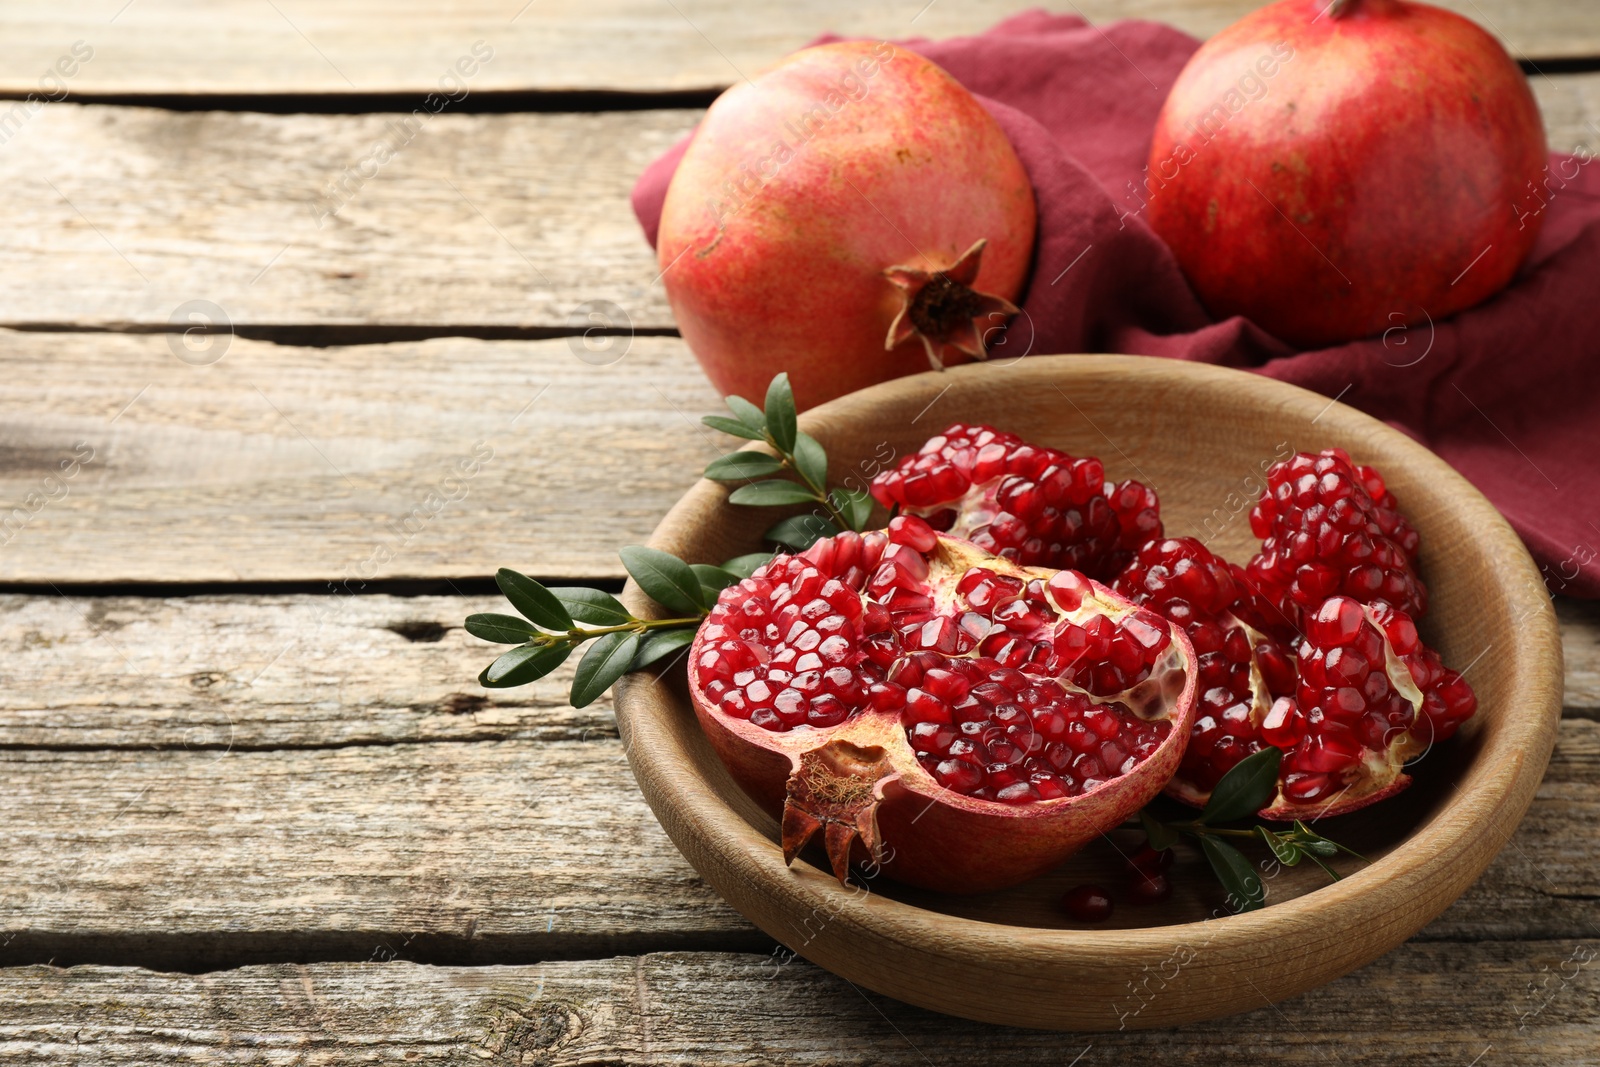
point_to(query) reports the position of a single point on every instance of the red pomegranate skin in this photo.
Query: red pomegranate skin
(1332, 174)
(802, 187)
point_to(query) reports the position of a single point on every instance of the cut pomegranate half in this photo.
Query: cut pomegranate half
(1036, 506)
(963, 722)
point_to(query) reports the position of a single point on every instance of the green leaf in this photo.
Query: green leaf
(747, 412)
(501, 629)
(1245, 789)
(660, 643)
(1329, 871)
(1288, 852)
(742, 466)
(745, 566)
(854, 505)
(523, 665)
(535, 602)
(593, 606)
(811, 460)
(770, 492)
(732, 427)
(801, 531)
(1162, 836)
(666, 579)
(1315, 843)
(606, 661)
(713, 580)
(1320, 846)
(1246, 891)
(781, 423)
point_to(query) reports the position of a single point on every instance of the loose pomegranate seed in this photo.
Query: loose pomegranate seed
(1088, 904)
(1038, 506)
(1147, 860)
(1148, 888)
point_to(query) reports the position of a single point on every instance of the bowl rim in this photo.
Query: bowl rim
(1463, 835)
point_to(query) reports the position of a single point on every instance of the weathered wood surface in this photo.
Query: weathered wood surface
(213, 673)
(340, 464)
(210, 781)
(362, 46)
(1499, 1003)
(123, 216)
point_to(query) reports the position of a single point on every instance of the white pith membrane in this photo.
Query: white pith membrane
(840, 773)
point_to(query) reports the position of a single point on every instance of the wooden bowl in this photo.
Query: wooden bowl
(1202, 436)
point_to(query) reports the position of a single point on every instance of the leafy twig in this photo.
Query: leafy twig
(1244, 790)
(799, 455)
(554, 622)
(548, 630)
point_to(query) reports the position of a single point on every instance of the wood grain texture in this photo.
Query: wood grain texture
(263, 672)
(1527, 1003)
(297, 46)
(1188, 430)
(125, 215)
(339, 464)
(210, 781)
(453, 852)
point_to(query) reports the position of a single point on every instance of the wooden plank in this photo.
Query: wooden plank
(441, 458)
(1521, 1003)
(124, 216)
(297, 46)
(481, 221)
(215, 781)
(452, 852)
(262, 672)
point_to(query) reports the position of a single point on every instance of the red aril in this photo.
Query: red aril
(1330, 527)
(1088, 904)
(848, 216)
(1240, 669)
(1037, 506)
(962, 721)
(1371, 696)
(1335, 170)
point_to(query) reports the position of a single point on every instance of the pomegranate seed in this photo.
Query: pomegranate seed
(1147, 860)
(1087, 904)
(1146, 888)
(1037, 506)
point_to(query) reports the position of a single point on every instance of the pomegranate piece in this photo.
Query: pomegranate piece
(1371, 696)
(1330, 528)
(1036, 506)
(1240, 669)
(963, 721)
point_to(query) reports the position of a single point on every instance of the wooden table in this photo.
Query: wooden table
(255, 808)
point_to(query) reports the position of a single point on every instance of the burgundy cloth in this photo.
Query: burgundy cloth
(1508, 392)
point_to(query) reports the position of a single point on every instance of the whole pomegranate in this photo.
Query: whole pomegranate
(849, 216)
(1335, 170)
(961, 721)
